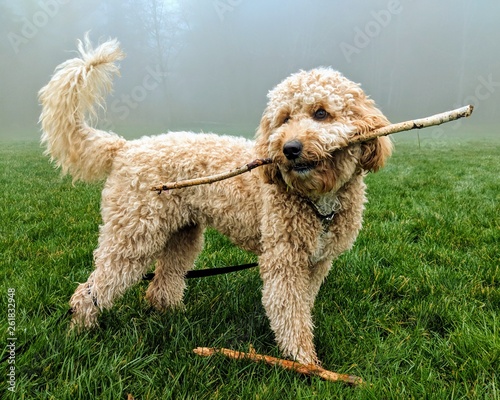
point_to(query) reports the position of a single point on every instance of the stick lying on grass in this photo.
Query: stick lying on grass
(437, 119)
(287, 364)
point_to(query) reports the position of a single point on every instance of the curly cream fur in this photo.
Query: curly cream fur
(272, 213)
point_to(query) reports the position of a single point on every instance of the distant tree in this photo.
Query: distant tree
(164, 22)
(153, 29)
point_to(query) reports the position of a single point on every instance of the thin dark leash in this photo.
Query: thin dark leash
(202, 273)
(199, 273)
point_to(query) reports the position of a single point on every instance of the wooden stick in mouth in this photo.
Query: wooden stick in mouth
(420, 123)
(212, 178)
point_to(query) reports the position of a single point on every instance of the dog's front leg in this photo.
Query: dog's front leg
(289, 232)
(286, 300)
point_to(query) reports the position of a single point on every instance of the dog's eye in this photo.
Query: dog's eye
(286, 119)
(320, 114)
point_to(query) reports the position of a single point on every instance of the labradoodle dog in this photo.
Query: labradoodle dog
(297, 214)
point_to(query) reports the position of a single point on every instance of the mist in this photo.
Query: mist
(207, 65)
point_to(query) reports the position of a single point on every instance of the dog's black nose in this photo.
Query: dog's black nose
(292, 149)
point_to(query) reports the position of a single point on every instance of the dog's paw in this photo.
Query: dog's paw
(164, 303)
(83, 321)
(84, 309)
(305, 357)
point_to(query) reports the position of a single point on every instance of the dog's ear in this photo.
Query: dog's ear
(367, 117)
(375, 153)
(269, 172)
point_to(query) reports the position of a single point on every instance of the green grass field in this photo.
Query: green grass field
(413, 309)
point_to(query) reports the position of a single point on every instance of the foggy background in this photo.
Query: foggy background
(208, 64)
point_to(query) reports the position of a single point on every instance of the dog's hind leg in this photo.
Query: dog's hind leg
(121, 260)
(167, 287)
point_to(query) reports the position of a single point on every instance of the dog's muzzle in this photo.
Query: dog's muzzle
(292, 151)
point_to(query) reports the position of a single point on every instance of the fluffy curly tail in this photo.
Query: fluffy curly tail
(77, 86)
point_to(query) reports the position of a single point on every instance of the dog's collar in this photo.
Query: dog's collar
(324, 218)
(319, 209)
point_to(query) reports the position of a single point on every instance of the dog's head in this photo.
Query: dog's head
(308, 116)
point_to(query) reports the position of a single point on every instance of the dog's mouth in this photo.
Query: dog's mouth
(302, 167)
